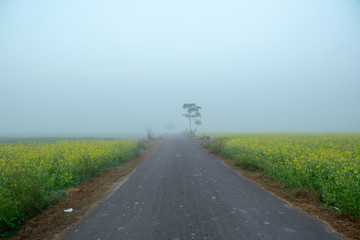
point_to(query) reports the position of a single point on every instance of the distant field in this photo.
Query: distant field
(34, 172)
(327, 163)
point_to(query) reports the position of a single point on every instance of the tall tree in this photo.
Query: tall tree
(192, 113)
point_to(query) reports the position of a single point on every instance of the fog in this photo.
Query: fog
(116, 68)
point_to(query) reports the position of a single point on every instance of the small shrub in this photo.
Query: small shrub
(215, 146)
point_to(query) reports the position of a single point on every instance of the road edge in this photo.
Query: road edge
(309, 208)
(53, 223)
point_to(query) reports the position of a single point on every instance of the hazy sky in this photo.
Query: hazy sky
(117, 67)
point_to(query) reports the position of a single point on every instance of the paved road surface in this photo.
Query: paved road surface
(181, 192)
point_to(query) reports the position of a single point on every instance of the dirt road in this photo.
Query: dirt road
(181, 192)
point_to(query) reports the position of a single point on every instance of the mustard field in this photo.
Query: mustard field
(34, 174)
(326, 163)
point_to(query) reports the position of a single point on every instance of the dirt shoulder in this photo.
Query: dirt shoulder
(54, 223)
(302, 199)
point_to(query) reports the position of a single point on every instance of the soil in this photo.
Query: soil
(54, 223)
(303, 199)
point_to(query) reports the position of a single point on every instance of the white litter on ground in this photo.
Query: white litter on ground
(68, 210)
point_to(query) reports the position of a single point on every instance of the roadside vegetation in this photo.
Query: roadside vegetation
(35, 173)
(328, 164)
